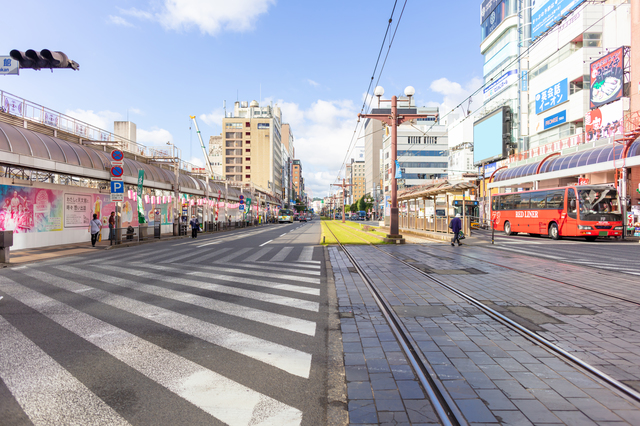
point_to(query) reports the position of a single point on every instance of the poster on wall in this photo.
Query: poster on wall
(604, 122)
(607, 78)
(77, 210)
(27, 209)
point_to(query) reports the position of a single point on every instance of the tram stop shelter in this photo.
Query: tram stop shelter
(419, 206)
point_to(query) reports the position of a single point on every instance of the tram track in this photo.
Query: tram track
(448, 412)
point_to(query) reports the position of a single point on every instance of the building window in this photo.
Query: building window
(247, 167)
(248, 150)
(247, 142)
(233, 125)
(247, 158)
(247, 176)
(247, 124)
(247, 133)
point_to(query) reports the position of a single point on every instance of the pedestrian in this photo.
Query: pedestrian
(95, 229)
(112, 228)
(456, 225)
(194, 226)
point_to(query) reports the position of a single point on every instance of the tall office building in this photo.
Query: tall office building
(253, 145)
(357, 179)
(288, 154)
(215, 154)
(296, 177)
(373, 132)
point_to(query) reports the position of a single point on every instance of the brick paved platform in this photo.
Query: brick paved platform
(494, 375)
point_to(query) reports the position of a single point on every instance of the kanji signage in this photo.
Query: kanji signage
(552, 96)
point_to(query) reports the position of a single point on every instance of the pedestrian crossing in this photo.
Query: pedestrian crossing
(259, 307)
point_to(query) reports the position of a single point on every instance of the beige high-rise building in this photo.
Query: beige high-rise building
(288, 154)
(252, 145)
(358, 180)
(215, 154)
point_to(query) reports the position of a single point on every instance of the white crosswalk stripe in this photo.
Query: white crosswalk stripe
(257, 315)
(242, 280)
(202, 258)
(257, 255)
(231, 290)
(235, 254)
(306, 254)
(287, 359)
(263, 274)
(224, 399)
(270, 267)
(25, 369)
(282, 254)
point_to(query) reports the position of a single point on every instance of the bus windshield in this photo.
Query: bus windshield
(285, 212)
(599, 204)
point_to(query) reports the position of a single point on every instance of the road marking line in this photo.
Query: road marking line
(264, 244)
(231, 290)
(292, 361)
(213, 393)
(42, 399)
(306, 255)
(281, 255)
(283, 234)
(273, 319)
(533, 254)
(257, 255)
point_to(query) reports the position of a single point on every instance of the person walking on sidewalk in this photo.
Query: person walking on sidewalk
(112, 228)
(95, 229)
(194, 226)
(456, 225)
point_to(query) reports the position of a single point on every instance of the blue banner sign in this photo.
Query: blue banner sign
(552, 96)
(525, 80)
(505, 80)
(545, 13)
(555, 120)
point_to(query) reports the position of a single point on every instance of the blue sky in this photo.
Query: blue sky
(163, 60)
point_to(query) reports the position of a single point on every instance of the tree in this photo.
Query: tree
(354, 207)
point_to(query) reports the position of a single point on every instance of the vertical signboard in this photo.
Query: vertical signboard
(607, 78)
(140, 203)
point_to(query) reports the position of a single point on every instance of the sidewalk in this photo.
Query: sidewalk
(492, 374)
(23, 256)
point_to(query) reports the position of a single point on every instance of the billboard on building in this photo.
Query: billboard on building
(607, 78)
(552, 96)
(545, 14)
(505, 80)
(604, 122)
(28, 209)
(555, 119)
(490, 136)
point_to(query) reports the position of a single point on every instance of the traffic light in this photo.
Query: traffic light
(43, 59)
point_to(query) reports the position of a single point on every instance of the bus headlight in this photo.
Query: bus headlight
(617, 228)
(584, 227)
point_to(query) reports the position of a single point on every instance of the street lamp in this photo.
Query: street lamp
(393, 118)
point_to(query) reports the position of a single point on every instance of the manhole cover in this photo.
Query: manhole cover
(346, 315)
(572, 310)
(533, 315)
(421, 311)
(449, 271)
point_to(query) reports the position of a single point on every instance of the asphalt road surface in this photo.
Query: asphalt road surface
(228, 328)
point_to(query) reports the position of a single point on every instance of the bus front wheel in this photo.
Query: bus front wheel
(553, 231)
(507, 228)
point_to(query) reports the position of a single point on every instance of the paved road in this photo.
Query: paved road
(615, 255)
(223, 329)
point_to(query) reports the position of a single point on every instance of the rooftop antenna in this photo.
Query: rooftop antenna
(224, 106)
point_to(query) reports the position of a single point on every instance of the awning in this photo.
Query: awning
(587, 157)
(435, 189)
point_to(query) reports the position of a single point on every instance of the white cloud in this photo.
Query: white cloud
(101, 119)
(209, 16)
(214, 118)
(119, 20)
(322, 134)
(133, 110)
(454, 93)
(196, 161)
(155, 136)
(313, 83)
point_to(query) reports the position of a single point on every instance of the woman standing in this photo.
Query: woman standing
(96, 228)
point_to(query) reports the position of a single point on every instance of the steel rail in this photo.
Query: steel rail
(527, 333)
(447, 415)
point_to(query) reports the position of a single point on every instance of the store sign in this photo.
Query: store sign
(545, 14)
(583, 181)
(604, 122)
(555, 120)
(543, 150)
(505, 80)
(607, 78)
(487, 7)
(9, 66)
(552, 96)
(524, 80)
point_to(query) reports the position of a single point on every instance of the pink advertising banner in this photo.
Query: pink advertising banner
(27, 209)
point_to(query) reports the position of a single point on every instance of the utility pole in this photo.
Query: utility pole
(393, 118)
(344, 186)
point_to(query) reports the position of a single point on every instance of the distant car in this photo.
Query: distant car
(302, 218)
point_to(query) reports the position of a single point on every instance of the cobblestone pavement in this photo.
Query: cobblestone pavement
(493, 374)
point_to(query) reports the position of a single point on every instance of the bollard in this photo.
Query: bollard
(6, 241)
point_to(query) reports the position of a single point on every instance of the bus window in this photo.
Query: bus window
(495, 203)
(509, 202)
(572, 207)
(522, 201)
(538, 200)
(555, 199)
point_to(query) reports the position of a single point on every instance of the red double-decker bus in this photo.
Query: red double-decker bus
(589, 211)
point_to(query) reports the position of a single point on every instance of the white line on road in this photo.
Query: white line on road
(283, 234)
(287, 359)
(252, 314)
(27, 370)
(213, 393)
(264, 244)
